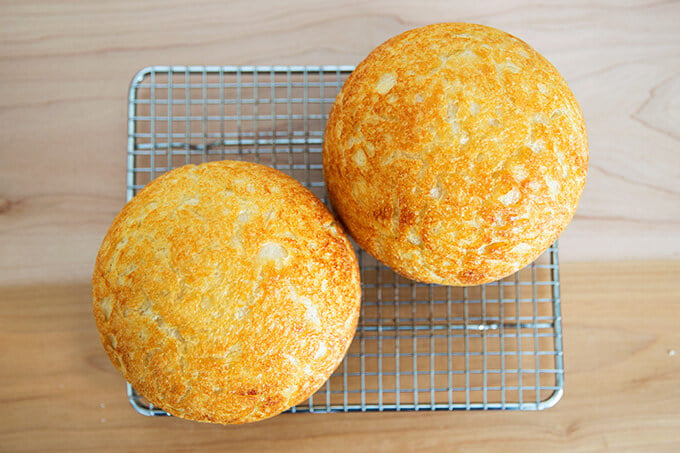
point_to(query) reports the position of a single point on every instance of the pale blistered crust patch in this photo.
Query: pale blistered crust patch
(225, 292)
(472, 154)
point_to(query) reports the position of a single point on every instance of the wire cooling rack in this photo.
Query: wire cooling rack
(417, 346)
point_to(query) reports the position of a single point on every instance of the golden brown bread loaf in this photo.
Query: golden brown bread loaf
(455, 153)
(225, 292)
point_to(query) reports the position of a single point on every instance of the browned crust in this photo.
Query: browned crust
(225, 292)
(455, 154)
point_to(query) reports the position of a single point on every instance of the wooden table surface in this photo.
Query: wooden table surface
(64, 74)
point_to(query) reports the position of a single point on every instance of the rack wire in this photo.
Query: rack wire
(417, 346)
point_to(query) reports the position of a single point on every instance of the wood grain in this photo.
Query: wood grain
(59, 392)
(65, 68)
(64, 72)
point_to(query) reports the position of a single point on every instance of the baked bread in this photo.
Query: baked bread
(455, 154)
(226, 292)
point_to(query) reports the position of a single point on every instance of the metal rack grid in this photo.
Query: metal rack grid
(417, 346)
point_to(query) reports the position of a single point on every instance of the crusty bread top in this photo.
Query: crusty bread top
(455, 153)
(225, 292)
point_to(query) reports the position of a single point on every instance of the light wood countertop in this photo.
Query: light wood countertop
(65, 70)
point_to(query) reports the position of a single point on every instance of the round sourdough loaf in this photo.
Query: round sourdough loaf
(225, 292)
(455, 154)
